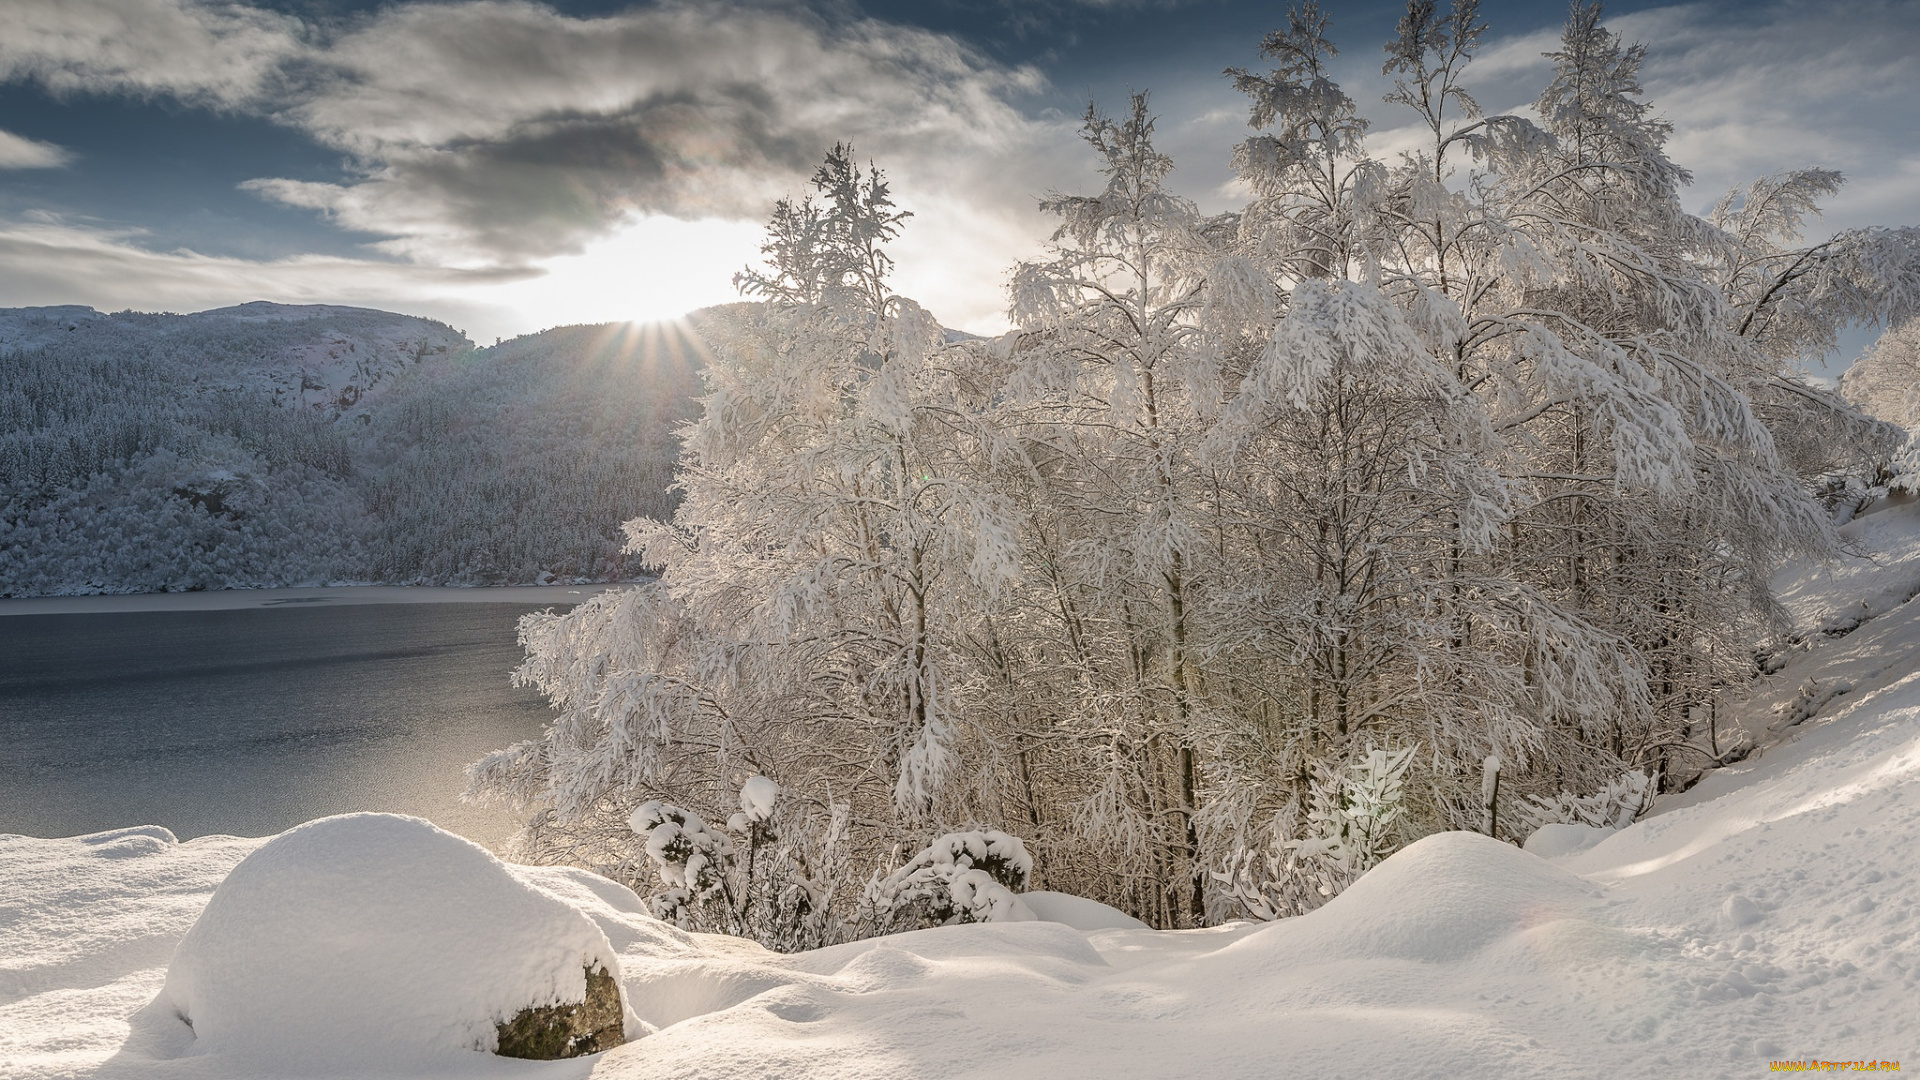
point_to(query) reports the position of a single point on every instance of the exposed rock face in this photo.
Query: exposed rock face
(546, 1032)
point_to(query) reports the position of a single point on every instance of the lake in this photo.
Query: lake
(250, 720)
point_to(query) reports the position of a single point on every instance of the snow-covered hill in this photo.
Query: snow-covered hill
(269, 444)
(315, 356)
(1767, 914)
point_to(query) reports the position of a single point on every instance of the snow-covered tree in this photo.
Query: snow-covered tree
(1885, 383)
(1376, 493)
(1113, 377)
(1310, 177)
(1793, 300)
(1662, 501)
(821, 585)
(1484, 455)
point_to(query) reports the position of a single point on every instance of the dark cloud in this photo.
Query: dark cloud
(548, 184)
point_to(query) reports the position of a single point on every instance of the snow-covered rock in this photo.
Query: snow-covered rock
(382, 937)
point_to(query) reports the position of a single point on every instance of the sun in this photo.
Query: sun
(648, 270)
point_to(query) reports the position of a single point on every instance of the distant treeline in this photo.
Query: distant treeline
(263, 446)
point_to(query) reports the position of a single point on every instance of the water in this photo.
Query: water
(251, 721)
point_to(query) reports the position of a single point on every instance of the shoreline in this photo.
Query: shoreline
(307, 596)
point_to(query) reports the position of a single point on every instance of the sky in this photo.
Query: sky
(507, 166)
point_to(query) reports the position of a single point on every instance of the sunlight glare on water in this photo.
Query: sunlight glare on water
(251, 721)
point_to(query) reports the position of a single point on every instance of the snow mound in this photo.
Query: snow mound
(1553, 841)
(131, 843)
(1078, 912)
(619, 912)
(1437, 900)
(374, 936)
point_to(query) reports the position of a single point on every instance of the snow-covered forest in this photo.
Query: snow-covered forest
(1434, 492)
(275, 445)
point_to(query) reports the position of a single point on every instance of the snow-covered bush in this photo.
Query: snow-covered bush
(694, 860)
(770, 875)
(1354, 815)
(1259, 876)
(1612, 807)
(1354, 819)
(963, 877)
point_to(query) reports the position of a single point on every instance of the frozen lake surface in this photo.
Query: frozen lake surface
(250, 720)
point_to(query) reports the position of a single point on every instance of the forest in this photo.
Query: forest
(271, 445)
(1433, 493)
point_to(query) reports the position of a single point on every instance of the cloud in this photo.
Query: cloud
(223, 55)
(501, 133)
(46, 259)
(503, 138)
(642, 269)
(499, 130)
(494, 131)
(1522, 56)
(19, 152)
(1788, 85)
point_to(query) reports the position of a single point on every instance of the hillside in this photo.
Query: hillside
(267, 444)
(1764, 916)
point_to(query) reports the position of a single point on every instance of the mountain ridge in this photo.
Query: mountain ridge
(270, 444)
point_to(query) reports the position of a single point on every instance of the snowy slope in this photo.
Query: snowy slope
(322, 356)
(1769, 913)
(1849, 632)
(272, 445)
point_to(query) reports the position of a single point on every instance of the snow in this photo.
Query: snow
(1880, 575)
(1769, 913)
(1553, 841)
(373, 937)
(1852, 634)
(757, 797)
(1078, 911)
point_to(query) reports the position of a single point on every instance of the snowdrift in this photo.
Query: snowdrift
(373, 936)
